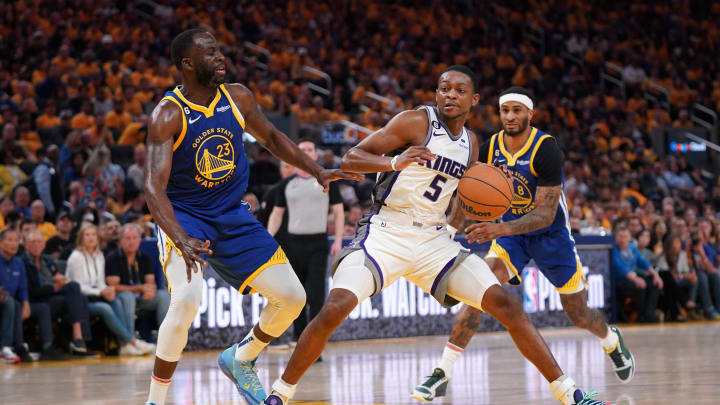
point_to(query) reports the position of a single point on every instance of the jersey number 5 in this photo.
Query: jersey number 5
(436, 186)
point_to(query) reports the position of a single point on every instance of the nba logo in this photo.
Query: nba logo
(530, 289)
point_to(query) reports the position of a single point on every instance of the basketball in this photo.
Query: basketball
(485, 193)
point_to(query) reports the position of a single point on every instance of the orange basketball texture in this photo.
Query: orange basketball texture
(485, 193)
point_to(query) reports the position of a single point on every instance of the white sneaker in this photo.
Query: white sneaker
(144, 346)
(9, 356)
(130, 350)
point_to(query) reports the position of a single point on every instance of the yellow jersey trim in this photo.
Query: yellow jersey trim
(513, 158)
(207, 111)
(235, 110)
(576, 283)
(535, 149)
(492, 146)
(503, 255)
(277, 258)
(184, 122)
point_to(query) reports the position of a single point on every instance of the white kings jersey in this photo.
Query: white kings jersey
(423, 191)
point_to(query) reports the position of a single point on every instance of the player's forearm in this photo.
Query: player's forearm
(539, 218)
(274, 223)
(284, 149)
(456, 217)
(357, 160)
(339, 223)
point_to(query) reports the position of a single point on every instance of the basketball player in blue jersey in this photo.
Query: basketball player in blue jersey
(535, 227)
(194, 182)
(407, 236)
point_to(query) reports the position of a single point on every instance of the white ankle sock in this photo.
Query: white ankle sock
(284, 390)
(563, 389)
(250, 347)
(450, 355)
(610, 341)
(158, 390)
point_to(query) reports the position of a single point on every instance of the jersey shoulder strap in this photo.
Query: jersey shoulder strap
(536, 147)
(493, 142)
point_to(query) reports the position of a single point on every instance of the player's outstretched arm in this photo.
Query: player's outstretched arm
(406, 129)
(165, 123)
(277, 142)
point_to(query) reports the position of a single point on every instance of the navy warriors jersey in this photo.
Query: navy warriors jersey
(424, 191)
(525, 177)
(208, 179)
(209, 167)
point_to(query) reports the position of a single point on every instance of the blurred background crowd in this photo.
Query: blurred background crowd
(79, 78)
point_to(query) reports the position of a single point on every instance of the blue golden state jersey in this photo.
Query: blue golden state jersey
(209, 167)
(525, 179)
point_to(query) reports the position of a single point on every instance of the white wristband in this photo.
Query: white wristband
(452, 231)
(393, 161)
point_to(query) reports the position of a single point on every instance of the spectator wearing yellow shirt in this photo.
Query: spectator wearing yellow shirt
(132, 104)
(63, 61)
(85, 118)
(135, 132)
(37, 213)
(118, 119)
(682, 120)
(88, 66)
(6, 206)
(146, 94)
(48, 119)
(680, 95)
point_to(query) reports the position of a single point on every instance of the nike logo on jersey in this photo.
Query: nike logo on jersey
(223, 108)
(438, 134)
(194, 119)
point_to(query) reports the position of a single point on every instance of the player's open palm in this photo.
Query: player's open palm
(325, 177)
(191, 250)
(413, 154)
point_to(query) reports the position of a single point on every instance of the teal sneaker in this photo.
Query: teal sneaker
(582, 398)
(243, 374)
(622, 359)
(434, 386)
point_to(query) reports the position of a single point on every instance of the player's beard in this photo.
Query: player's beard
(206, 77)
(523, 126)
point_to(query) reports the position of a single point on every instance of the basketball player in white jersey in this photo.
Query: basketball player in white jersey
(407, 235)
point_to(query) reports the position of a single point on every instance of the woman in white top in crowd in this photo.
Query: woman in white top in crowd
(86, 266)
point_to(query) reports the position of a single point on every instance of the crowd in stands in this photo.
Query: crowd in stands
(78, 80)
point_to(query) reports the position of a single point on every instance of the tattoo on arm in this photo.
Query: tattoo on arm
(542, 216)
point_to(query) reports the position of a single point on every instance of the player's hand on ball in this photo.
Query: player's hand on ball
(191, 250)
(482, 232)
(414, 154)
(325, 177)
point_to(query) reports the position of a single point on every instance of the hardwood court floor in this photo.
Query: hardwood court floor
(677, 364)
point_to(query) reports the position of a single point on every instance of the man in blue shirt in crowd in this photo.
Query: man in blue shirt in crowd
(634, 278)
(15, 306)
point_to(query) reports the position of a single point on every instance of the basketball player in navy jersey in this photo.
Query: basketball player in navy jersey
(535, 227)
(194, 183)
(407, 236)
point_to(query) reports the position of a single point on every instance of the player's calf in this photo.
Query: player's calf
(339, 304)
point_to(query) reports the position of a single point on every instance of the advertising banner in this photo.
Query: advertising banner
(402, 309)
